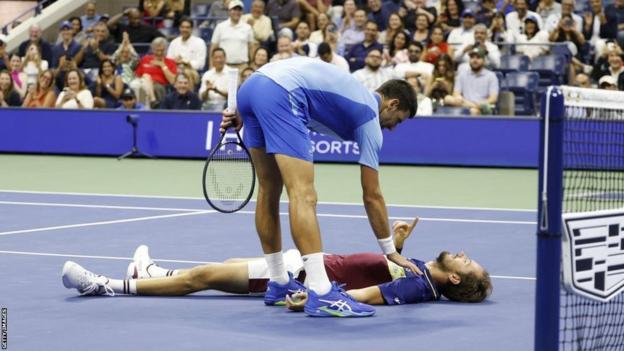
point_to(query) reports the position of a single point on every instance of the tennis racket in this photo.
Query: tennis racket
(229, 175)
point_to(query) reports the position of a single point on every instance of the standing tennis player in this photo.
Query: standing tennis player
(278, 104)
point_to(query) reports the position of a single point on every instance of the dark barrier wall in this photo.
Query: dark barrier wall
(467, 141)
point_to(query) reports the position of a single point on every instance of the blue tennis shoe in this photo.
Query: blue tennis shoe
(336, 303)
(276, 293)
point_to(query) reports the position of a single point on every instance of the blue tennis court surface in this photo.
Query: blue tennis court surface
(40, 231)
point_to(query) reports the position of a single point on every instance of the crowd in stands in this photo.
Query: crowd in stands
(174, 54)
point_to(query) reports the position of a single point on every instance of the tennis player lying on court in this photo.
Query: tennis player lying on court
(369, 278)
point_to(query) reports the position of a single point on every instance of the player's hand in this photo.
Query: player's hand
(402, 231)
(403, 262)
(230, 119)
(297, 301)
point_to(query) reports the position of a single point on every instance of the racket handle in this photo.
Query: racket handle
(232, 89)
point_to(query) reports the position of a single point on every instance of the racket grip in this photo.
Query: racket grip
(232, 89)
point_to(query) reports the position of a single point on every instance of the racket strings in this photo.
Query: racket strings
(229, 177)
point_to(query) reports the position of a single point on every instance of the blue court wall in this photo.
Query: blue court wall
(464, 141)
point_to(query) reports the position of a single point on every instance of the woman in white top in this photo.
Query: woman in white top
(322, 21)
(33, 65)
(532, 35)
(75, 94)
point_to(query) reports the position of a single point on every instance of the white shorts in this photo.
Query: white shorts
(258, 270)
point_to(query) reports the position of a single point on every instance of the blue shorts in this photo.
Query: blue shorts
(273, 118)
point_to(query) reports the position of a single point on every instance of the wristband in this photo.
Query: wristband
(387, 245)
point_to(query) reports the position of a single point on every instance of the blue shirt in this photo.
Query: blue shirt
(331, 101)
(59, 50)
(358, 52)
(412, 288)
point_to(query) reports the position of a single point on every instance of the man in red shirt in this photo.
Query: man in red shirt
(156, 71)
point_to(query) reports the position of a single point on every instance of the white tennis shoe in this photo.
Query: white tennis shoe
(137, 269)
(86, 282)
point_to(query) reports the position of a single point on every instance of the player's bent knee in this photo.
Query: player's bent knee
(198, 278)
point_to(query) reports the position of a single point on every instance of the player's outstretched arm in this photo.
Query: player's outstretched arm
(378, 217)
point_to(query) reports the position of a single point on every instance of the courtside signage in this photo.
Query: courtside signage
(593, 253)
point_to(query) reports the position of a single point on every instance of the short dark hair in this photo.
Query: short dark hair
(218, 49)
(401, 90)
(417, 44)
(187, 20)
(72, 19)
(474, 287)
(324, 49)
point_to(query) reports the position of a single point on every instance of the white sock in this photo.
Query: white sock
(155, 271)
(126, 286)
(277, 268)
(316, 277)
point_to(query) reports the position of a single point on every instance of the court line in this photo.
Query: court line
(29, 253)
(431, 219)
(80, 225)
(59, 204)
(467, 208)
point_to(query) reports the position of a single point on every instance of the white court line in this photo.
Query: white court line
(80, 225)
(57, 204)
(179, 261)
(320, 202)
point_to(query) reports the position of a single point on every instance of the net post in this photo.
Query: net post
(549, 222)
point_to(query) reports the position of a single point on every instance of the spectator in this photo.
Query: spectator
(353, 35)
(397, 53)
(234, 36)
(515, 19)
(395, 25)
(607, 83)
(4, 56)
(260, 58)
(614, 22)
(90, 18)
(17, 76)
(567, 9)
(566, 32)
(108, 86)
(437, 46)
(451, 15)
(415, 66)
(479, 40)
(96, 50)
(219, 9)
(415, 9)
(188, 48)
(303, 46)
(322, 21)
(346, 20)
(178, 9)
(425, 106)
(421, 33)
(595, 25)
(214, 83)
(33, 65)
(464, 35)
(129, 101)
(547, 8)
(311, 9)
(42, 94)
(331, 37)
(183, 98)
(476, 88)
(138, 31)
(75, 95)
(35, 38)
(285, 49)
(245, 73)
(582, 80)
(486, 12)
(378, 14)
(616, 68)
(77, 31)
(126, 60)
(156, 72)
(326, 54)
(152, 9)
(8, 95)
(534, 36)
(61, 71)
(260, 24)
(373, 75)
(498, 32)
(287, 12)
(359, 52)
(68, 48)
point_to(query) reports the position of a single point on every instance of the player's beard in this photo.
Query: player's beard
(441, 260)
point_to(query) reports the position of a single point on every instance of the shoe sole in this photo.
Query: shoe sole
(324, 313)
(66, 268)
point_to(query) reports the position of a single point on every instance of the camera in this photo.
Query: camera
(132, 119)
